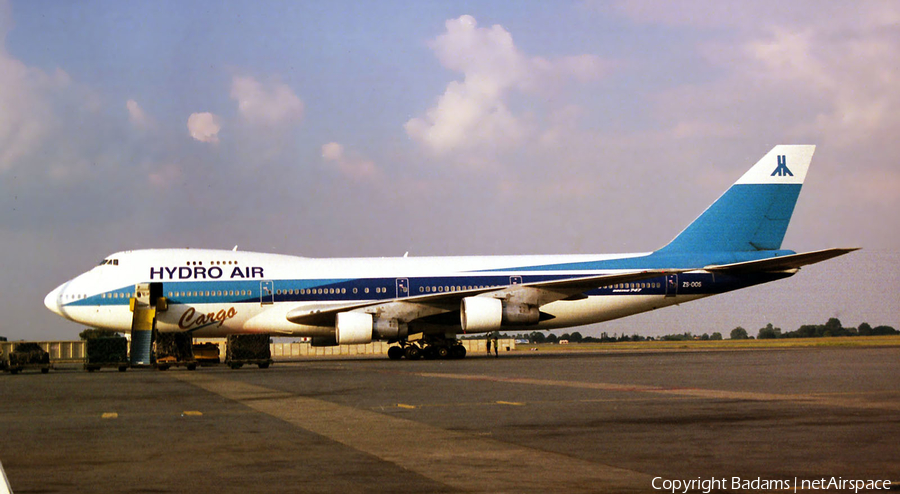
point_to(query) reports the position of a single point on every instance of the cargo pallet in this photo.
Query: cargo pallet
(106, 352)
(166, 362)
(248, 349)
(262, 363)
(26, 355)
(15, 369)
(95, 366)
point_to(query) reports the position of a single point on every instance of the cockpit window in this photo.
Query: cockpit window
(114, 262)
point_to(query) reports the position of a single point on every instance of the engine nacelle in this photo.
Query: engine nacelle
(323, 341)
(353, 327)
(482, 314)
(520, 314)
(358, 327)
(389, 329)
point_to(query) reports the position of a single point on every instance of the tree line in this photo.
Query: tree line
(831, 328)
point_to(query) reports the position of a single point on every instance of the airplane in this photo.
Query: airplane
(424, 303)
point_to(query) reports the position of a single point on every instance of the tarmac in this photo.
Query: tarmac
(524, 422)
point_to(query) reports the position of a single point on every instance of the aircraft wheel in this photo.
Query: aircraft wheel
(123, 368)
(458, 351)
(430, 352)
(395, 353)
(413, 352)
(443, 352)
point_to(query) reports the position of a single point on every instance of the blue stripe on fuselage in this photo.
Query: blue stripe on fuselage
(346, 290)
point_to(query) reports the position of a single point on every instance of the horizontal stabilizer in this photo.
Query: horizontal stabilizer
(781, 263)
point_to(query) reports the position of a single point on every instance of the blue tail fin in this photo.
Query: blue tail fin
(754, 213)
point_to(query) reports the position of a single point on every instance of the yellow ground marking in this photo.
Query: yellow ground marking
(843, 401)
(191, 413)
(404, 405)
(464, 461)
(110, 415)
(513, 403)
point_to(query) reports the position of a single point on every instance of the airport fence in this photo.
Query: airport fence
(64, 352)
(60, 351)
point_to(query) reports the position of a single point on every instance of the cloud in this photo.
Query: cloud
(353, 167)
(136, 114)
(28, 117)
(266, 104)
(204, 127)
(475, 112)
(853, 77)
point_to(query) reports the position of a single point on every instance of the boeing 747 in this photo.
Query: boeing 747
(423, 303)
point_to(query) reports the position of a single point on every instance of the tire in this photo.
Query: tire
(458, 352)
(442, 352)
(123, 368)
(45, 370)
(395, 353)
(413, 352)
(264, 365)
(191, 367)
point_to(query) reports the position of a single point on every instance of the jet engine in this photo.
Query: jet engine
(360, 327)
(482, 314)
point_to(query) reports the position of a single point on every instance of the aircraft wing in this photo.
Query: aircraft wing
(407, 309)
(781, 263)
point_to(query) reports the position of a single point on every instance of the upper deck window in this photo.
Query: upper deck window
(114, 262)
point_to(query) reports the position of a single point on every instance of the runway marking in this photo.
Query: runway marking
(512, 403)
(191, 413)
(469, 462)
(110, 415)
(467, 404)
(809, 399)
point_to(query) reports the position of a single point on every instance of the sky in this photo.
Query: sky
(370, 129)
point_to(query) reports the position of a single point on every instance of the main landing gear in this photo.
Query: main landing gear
(428, 347)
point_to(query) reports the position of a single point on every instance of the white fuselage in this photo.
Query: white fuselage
(215, 293)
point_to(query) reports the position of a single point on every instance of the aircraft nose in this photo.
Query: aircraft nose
(52, 300)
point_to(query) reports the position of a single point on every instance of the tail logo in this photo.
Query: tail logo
(782, 169)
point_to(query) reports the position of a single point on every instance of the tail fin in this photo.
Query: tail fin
(754, 213)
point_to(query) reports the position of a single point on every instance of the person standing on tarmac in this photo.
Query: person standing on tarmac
(489, 346)
(496, 347)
